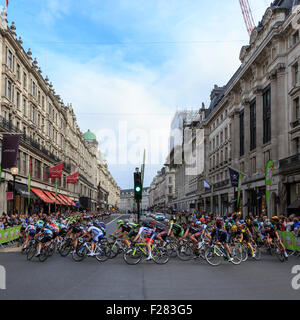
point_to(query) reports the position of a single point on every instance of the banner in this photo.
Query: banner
(73, 178)
(10, 147)
(239, 190)
(269, 175)
(10, 234)
(56, 172)
(206, 185)
(234, 177)
(289, 240)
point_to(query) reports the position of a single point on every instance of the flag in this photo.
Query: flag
(7, 1)
(73, 178)
(206, 185)
(10, 148)
(56, 172)
(269, 175)
(234, 177)
(239, 189)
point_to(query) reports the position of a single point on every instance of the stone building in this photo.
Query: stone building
(127, 202)
(254, 118)
(162, 189)
(49, 134)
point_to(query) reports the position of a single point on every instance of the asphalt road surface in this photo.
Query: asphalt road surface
(62, 278)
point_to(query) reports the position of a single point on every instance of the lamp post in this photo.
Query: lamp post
(14, 171)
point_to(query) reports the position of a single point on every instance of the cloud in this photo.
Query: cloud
(53, 10)
(124, 86)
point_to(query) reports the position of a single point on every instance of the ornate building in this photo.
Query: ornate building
(49, 134)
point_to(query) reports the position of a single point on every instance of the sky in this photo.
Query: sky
(128, 65)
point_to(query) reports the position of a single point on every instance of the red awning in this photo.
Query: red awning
(72, 203)
(65, 202)
(52, 197)
(66, 199)
(41, 195)
(58, 200)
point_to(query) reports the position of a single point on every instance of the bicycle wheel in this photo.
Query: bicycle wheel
(160, 255)
(51, 249)
(185, 252)
(243, 251)
(280, 255)
(31, 251)
(237, 255)
(43, 255)
(133, 256)
(171, 248)
(211, 257)
(114, 250)
(80, 253)
(257, 252)
(102, 253)
(65, 250)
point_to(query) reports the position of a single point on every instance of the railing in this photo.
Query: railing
(221, 184)
(290, 161)
(295, 124)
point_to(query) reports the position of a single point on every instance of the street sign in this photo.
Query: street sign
(77, 204)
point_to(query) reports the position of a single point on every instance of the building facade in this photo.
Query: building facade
(49, 134)
(128, 203)
(251, 120)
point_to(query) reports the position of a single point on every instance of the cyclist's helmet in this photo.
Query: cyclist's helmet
(120, 222)
(40, 223)
(268, 225)
(90, 224)
(275, 218)
(126, 221)
(102, 225)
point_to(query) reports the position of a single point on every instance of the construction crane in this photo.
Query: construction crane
(247, 14)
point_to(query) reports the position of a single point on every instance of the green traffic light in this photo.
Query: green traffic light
(137, 189)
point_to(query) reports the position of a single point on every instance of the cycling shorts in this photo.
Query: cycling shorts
(150, 238)
(98, 237)
(45, 239)
(224, 238)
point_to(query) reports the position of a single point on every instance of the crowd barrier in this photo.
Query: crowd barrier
(290, 241)
(9, 234)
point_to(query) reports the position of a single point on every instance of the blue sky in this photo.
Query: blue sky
(127, 65)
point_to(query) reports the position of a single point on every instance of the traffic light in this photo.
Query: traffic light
(138, 186)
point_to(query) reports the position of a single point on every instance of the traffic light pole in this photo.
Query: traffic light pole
(138, 210)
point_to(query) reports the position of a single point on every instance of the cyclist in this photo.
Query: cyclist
(221, 237)
(147, 231)
(124, 229)
(176, 230)
(272, 234)
(30, 230)
(95, 234)
(46, 236)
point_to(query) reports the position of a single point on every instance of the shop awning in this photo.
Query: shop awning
(58, 200)
(52, 197)
(62, 199)
(295, 204)
(66, 199)
(22, 190)
(41, 195)
(72, 203)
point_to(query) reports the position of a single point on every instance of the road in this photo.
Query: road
(62, 278)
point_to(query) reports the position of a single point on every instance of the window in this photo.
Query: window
(33, 89)
(8, 89)
(39, 97)
(295, 38)
(37, 169)
(32, 114)
(253, 125)
(9, 60)
(46, 174)
(298, 145)
(226, 133)
(18, 72)
(24, 166)
(43, 102)
(295, 73)
(24, 107)
(242, 134)
(25, 80)
(297, 108)
(267, 115)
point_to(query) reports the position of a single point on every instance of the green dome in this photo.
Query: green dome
(89, 135)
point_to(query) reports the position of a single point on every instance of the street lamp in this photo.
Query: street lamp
(14, 171)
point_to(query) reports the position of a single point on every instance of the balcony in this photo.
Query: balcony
(295, 124)
(292, 162)
(221, 184)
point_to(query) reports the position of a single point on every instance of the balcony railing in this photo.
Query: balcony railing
(290, 162)
(295, 124)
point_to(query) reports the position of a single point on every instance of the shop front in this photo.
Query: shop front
(23, 199)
